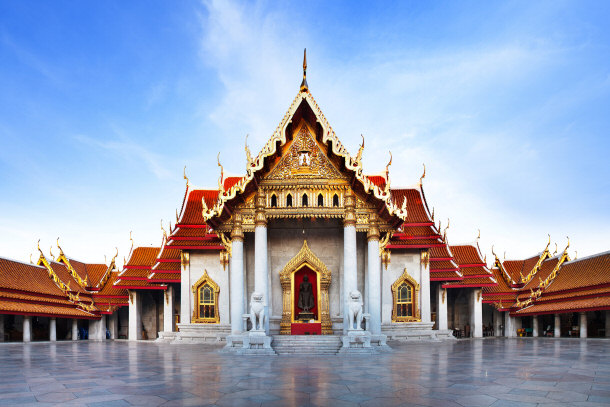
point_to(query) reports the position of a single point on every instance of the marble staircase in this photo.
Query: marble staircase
(306, 344)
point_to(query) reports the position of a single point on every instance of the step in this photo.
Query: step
(306, 344)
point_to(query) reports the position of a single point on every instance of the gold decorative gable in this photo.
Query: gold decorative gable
(304, 159)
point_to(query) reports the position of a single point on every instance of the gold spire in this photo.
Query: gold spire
(304, 86)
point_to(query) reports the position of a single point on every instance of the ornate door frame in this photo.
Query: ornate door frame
(305, 257)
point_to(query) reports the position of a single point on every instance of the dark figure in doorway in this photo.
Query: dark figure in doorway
(306, 301)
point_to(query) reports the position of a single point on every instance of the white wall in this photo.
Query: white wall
(210, 261)
(399, 260)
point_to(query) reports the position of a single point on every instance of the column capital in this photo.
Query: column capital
(260, 219)
(350, 208)
(237, 233)
(373, 233)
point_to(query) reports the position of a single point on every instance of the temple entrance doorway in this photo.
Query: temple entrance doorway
(305, 302)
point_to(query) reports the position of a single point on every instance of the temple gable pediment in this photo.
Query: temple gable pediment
(304, 160)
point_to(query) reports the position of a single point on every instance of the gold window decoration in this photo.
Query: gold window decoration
(405, 293)
(205, 294)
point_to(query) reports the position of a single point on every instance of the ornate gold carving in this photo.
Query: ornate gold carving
(197, 318)
(349, 204)
(305, 257)
(444, 294)
(545, 254)
(384, 253)
(63, 259)
(373, 233)
(184, 259)
(226, 253)
(405, 277)
(237, 232)
(260, 218)
(425, 258)
(304, 159)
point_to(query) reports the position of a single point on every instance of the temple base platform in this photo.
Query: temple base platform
(415, 331)
(197, 333)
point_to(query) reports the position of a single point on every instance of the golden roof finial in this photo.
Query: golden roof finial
(105, 259)
(568, 237)
(575, 254)
(445, 232)
(51, 253)
(221, 179)
(31, 262)
(164, 232)
(130, 238)
(304, 86)
(555, 252)
(423, 175)
(248, 154)
(387, 167)
(479, 236)
(504, 254)
(433, 214)
(185, 177)
(360, 150)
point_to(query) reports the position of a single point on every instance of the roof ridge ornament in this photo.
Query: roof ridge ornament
(185, 177)
(422, 176)
(304, 86)
(221, 179)
(248, 155)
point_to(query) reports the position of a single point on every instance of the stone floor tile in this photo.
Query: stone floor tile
(55, 397)
(476, 400)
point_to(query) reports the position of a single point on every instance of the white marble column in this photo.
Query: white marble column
(509, 326)
(607, 326)
(168, 309)
(75, 329)
(185, 288)
(27, 328)
(535, 326)
(261, 279)
(237, 276)
(557, 328)
(498, 319)
(374, 276)
(135, 316)
(97, 329)
(583, 324)
(424, 288)
(476, 312)
(113, 322)
(441, 309)
(1, 328)
(52, 329)
(350, 262)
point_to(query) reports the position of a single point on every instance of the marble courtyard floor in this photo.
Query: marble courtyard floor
(486, 372)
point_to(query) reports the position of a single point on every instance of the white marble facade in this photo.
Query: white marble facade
(284, 240)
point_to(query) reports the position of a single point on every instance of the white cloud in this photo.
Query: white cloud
(441, 108)
(126, 149)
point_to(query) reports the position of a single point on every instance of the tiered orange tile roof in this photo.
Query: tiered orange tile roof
(579, 286)
(137, 269)
(27, 289)
(472, 267)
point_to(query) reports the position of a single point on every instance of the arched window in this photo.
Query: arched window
(205, 292)
(304, 200)
(273, 201)
(404, 302)
(336, 200)
(289, 200)
(405, 292)
(320, 200)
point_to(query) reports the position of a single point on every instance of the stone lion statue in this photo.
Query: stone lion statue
(257, 311)
(355, 310)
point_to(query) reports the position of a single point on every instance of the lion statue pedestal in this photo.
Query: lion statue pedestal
(357, 340)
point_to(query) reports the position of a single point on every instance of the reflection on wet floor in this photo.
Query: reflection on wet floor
(487, 372)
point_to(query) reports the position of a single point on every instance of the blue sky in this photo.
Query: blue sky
(102, 104)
